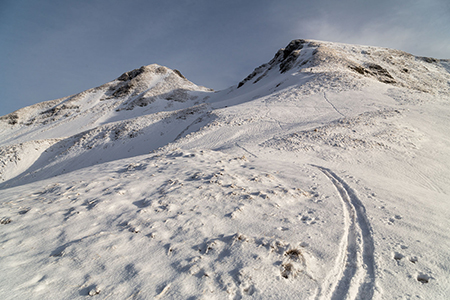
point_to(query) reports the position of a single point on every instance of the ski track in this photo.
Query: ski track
(353, 276)
(326, 99)
(243, 148)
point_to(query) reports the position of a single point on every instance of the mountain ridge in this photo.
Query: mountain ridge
(122, 107)
(363, 60)
(324, 174)
(285, 59)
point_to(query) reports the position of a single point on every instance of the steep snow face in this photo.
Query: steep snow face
(324, 174)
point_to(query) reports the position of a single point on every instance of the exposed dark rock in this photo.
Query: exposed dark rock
(131, 74)
(131, 80)
(261, 77)
(290, 54)
(140, 101)
(57, 109)
(285, 58)
(358, 69)
(257, 71)
(289, 61)
(382, 74)
(429, 60)
(122, 90)
(179, 95)
(293, 45)
(11, 118)
(179, 73)
(374, 70)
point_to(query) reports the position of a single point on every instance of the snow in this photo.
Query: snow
(320, 176)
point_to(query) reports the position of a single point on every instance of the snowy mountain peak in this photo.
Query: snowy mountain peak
(152, 84)
(283, 59)
(153, 68)
(357, 63)
(144, 85)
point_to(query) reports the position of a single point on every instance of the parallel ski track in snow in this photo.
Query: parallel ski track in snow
(353, 276)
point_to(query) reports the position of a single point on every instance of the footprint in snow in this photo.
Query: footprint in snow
(91, 290)
(394, 219)
(424, 278)
(283, 228)
(308, 218)
(413, 259)
(24, 211)
(398, 256)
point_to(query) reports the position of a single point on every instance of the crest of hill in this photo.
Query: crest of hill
(136, 88)
(307, 65)
(389, 66)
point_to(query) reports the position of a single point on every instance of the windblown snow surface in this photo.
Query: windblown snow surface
(322, 175)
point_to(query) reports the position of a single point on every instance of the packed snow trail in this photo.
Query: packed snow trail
(354, 274)
(334, 107)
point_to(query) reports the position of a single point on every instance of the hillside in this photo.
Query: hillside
(324, 174)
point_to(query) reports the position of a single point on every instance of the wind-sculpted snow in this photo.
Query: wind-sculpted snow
(202, 220)
(104, 143)
(372, 131)
(324, 174)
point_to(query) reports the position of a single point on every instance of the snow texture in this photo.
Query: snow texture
(324, 174)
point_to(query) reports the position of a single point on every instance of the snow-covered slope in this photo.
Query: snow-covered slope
(324, 174)
(150, 88)
(100, 118)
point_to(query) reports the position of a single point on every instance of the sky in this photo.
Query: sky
(51, 49)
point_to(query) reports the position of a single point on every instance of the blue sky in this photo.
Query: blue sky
(51, 49)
